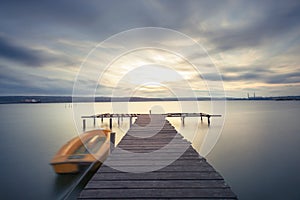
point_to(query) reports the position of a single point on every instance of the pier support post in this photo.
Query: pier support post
(110, 123)
(83, 124)
(101, 118)
(118, 121)
(201, 118)
(208, 120)
(182, 120)
(94, 121)
(130, 121)
(112, 141)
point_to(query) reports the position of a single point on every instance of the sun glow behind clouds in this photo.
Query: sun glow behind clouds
(149, 88)
(151, 68)
(152, 73)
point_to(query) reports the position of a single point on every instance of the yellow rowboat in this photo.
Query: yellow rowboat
(90, 147)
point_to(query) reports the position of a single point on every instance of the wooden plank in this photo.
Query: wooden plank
(141, 151)
(176, 157)
(162, 150)
(152, 184)
(145, 165)
(133, 157)
(150, 163)
(178, 169)
(169, 168)
(157, 175)
(189, 150)
(152, 139)
(179, 147)
(162, 198)
(153, 142)
(157, 193)
(156, 135)
(157, 140)
(158, 127)
(138, 134)
(121, 153)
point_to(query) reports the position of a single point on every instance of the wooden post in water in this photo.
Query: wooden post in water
(118, 121)
(182, 119)
(201, 117)
(83, 124)
(110, 123)
(94, 121)
(112, 141)
(130, 121)
(208, 120)
(102, 119)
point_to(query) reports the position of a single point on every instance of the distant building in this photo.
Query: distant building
(32, 101)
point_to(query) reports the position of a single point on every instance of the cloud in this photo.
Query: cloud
(13, 81)
(11, 51)
(256, 76)
(285, 78)
(44, 35)
(278, 21)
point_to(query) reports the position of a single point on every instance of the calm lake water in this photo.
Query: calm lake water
(257, 152)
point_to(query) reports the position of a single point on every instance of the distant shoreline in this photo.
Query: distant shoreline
(69, 99)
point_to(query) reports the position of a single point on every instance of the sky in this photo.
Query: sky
(46, 48)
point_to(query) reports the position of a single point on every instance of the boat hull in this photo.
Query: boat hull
(65, 168)
(91, 147)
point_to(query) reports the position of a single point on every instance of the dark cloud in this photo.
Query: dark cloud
(100, 19)
(255, 76)
(236, 77)
(12, 51)
(96, 20)
(243, 77)
(248, 69)
(92, 20)
(29, 57)
(276, 22)
(284, 78)
(14, 81)
(11, 85)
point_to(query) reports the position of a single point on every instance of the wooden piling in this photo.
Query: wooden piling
(110, 123)
(112, 141)
(182, 120)
(130, 121)
(83, 124)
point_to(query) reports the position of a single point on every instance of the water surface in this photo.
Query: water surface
(257, 152)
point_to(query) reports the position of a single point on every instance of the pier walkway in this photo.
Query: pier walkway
(153, 161)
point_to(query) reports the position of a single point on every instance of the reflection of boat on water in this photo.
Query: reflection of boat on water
(90, 147)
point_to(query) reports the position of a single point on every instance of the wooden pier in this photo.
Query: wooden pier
(153, 161)
(131, 116)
